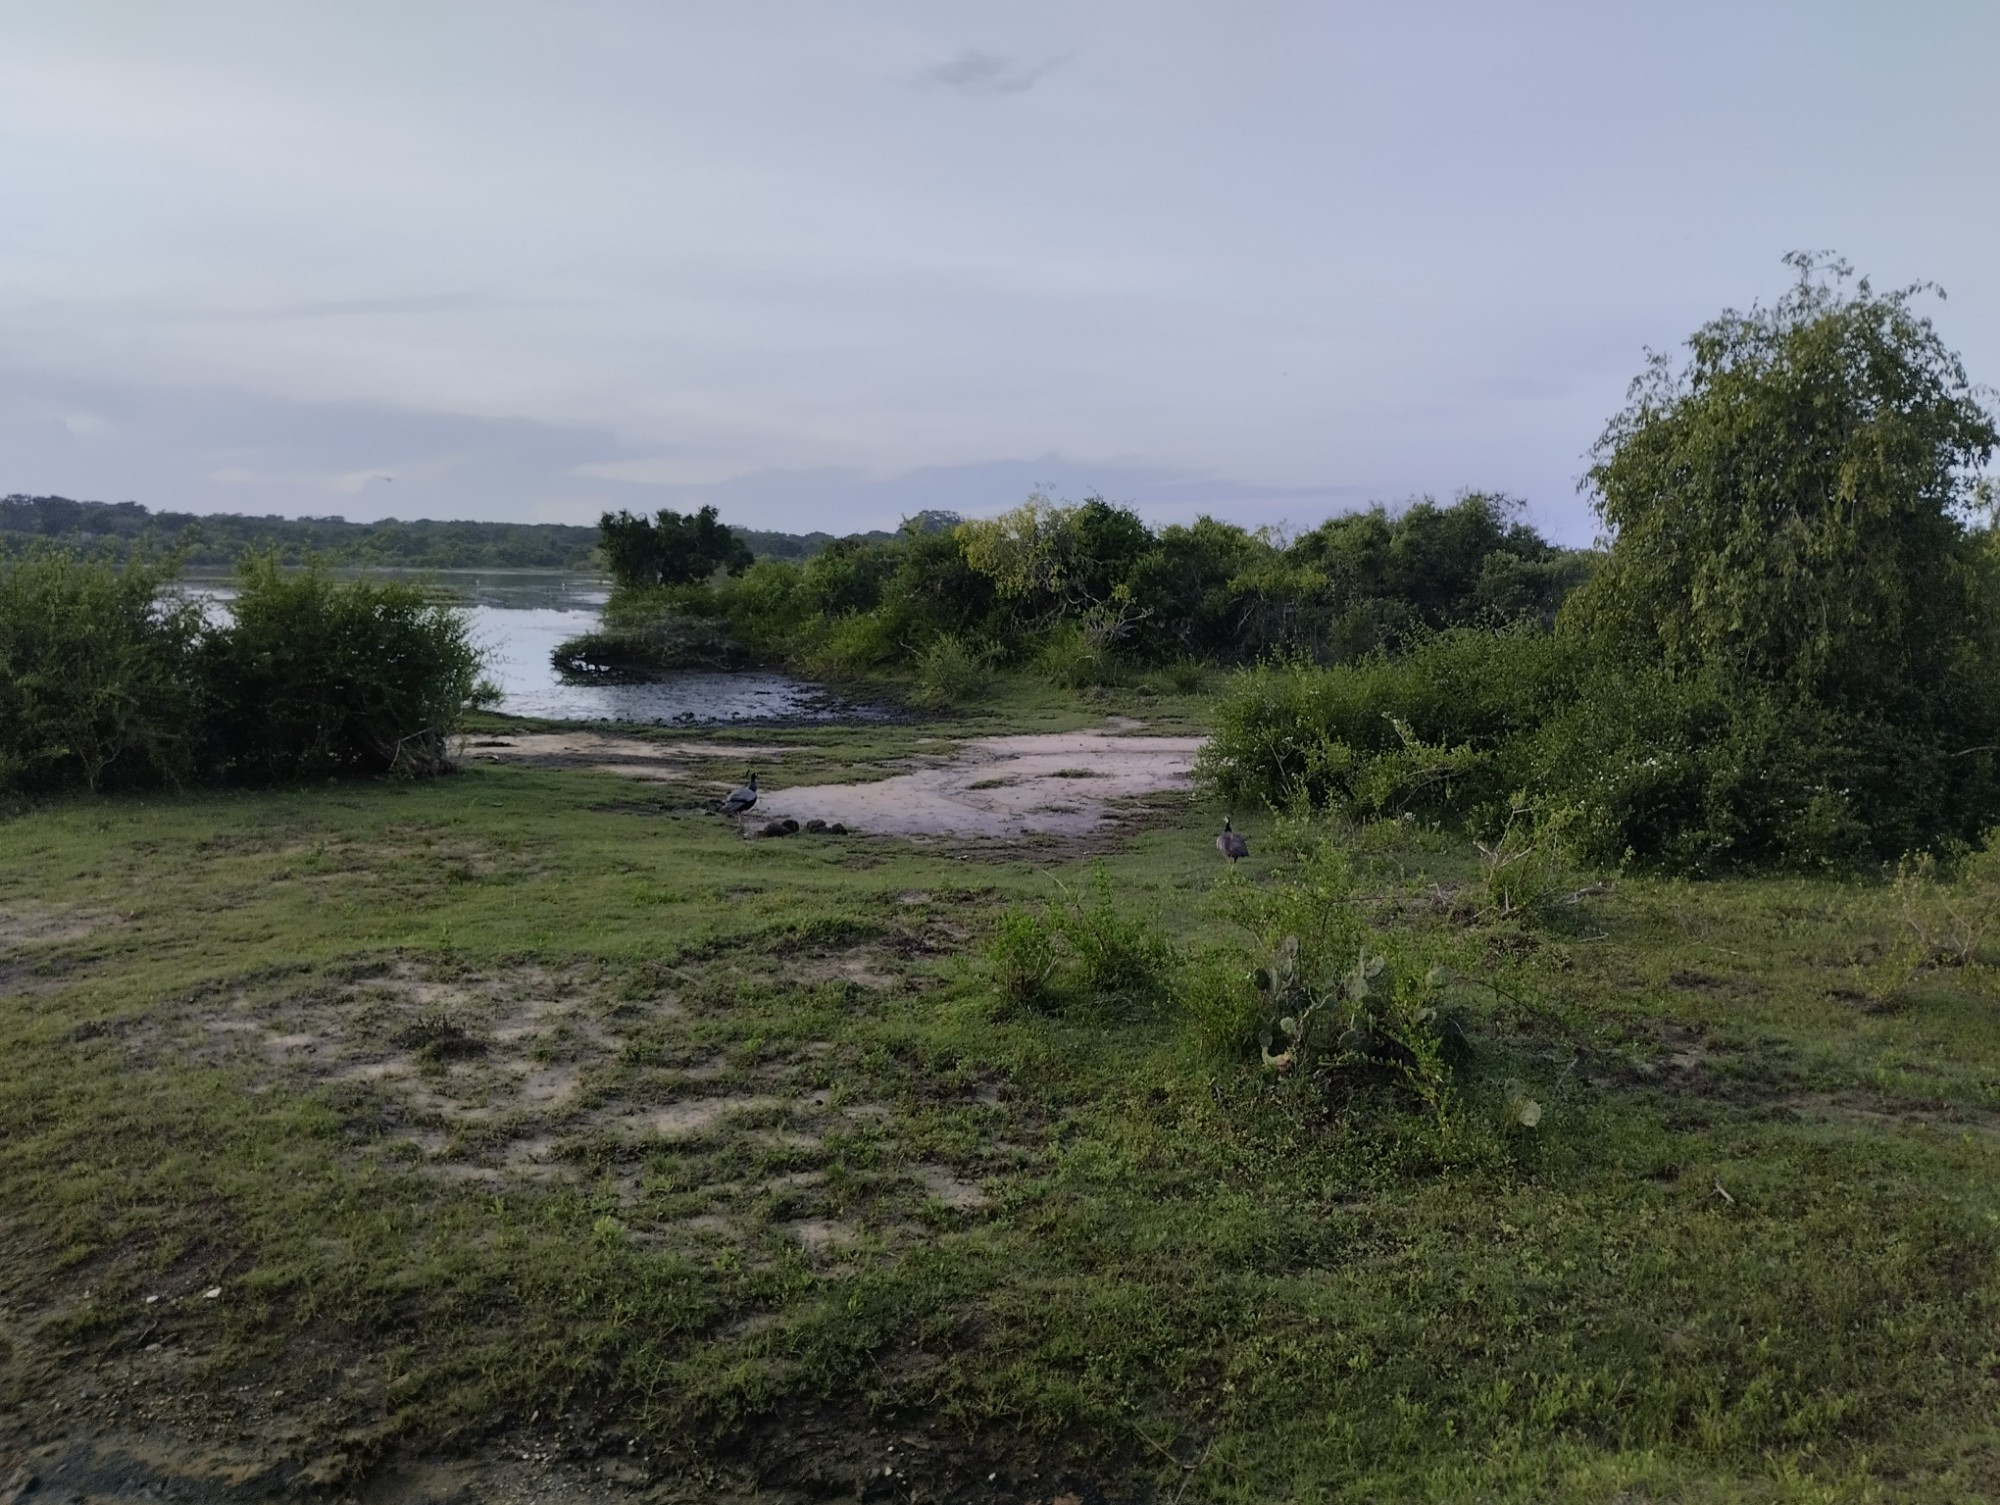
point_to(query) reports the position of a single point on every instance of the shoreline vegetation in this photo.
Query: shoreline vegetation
(1586, 1087)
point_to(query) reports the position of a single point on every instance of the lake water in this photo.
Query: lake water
(518, 618)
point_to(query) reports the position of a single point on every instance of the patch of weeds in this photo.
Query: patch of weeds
(1944, 916)
(437, 1036)
(1079, 951)
(951, 670)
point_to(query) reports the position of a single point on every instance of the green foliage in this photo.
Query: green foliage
(1079, 953)
(1527, 869)
(1787, 658)
(1072, 656)
(98, 674)
(318, 677)
(110, 679)
(669, 549)
(1420, 734)
(1789, 506)
(951, 671)
(1679, 772)
(1086, 594)
(648, 632)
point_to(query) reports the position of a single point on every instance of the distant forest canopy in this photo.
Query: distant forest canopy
(221, 539)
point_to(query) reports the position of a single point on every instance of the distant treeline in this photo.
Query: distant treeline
(117, 528)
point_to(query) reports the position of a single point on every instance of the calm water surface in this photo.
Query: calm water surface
(518, 618)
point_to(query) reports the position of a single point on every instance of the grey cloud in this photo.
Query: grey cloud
(977, 72)
(205, 450)
(1342, 253)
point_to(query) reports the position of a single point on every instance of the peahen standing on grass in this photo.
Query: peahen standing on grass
(1230, 845)
(742, 799)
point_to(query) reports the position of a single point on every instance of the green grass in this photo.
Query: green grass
(498, 1106)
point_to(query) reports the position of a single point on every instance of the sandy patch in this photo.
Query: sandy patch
(956, 1193)
(1004, 787)
(677, 1120)
(23, 924)
(634, 757)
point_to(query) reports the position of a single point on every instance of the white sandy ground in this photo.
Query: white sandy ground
(1060, 784)
(632, 757)
(1002, 787)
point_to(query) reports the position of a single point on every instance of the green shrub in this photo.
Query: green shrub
(98, 674)
(1687, 772)
(1071, 659)
(1411, 734)
(1021, 956)
(317, 677)
(1079, 952)
(642, 647)
(853, 644)
(951, 671)
(1526, 868)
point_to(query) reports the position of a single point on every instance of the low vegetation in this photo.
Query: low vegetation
(526, 1114)
(109, 679)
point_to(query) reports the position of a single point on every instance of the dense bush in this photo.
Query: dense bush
(99, 679)
(669, 549)
(319, 677)
(1087, 594)
(950, 671)
(1788, 656)
(1685, 772)
(1425, 733)
(108, 679)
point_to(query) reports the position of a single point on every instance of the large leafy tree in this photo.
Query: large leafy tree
(669, 549)
(1790, 507)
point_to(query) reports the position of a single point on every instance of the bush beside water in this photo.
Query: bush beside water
(1080, 595)
(110, 679)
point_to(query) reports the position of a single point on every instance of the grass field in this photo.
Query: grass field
(531, 1131)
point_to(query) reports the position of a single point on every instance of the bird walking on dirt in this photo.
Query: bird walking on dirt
(742, 799)
(1230, 845)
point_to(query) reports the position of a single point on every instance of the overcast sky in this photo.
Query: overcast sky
(826, 265)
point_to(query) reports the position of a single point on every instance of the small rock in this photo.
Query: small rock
(211, 1293)
(815, 825)
(835, 828)
(777, 828)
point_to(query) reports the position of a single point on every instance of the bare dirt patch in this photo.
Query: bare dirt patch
(601, 752)
(30, 924)
(1069, 784)
(1004, 788)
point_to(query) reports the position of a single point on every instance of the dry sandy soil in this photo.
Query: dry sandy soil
(1062, 784)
